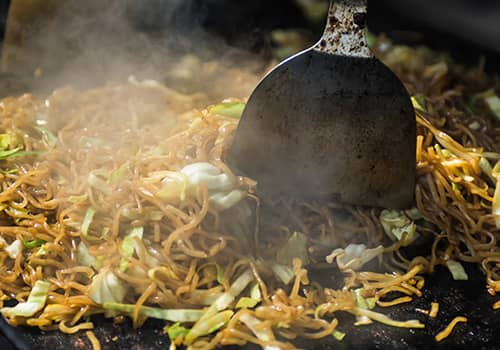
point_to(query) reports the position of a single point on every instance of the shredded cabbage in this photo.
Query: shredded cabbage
(236, 288)
(222, 193)
(107, 288)
(85, 258)
(283, 272)
(174, 185)
(8, 141)
(495, 205)
(14, 249)
(354, 256)
(174, 315)
(208, 325)
(47, 135)
(233, 109)
(210, 318)
(6, 154)
(263, 333)
(220, 273)
(338, 335)
(247, 303)
(485, 166)
(128, 246)
(33, 243)
(220, 188)
(361, 301)
(492, 100)
(416, 103)
(176, 330)
(87, 220)
(98, 180)
(295, 247)
(494, 103)
(457, 270)
(36, 302)
(398, 226)
(119, 173)
(255, 292)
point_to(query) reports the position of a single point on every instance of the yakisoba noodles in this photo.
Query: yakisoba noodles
(117, 201)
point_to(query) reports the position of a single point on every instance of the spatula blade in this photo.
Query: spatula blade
(329, 126)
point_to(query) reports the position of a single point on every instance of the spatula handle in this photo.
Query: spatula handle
(345, 29)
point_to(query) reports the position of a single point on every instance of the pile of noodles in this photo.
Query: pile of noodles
(97, 210)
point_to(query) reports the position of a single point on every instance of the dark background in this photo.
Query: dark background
(92, 34)
(464, 22)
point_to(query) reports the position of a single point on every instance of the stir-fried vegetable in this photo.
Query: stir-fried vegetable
(35, 303)
(47, 135)
(128, 246)
(338, 335)
(398, 226)
(215, 317)
(223, 194)
(175, 315)
(14, 249)
(232, 109)
(457, 270)
(361, 301)
(257, 327)
(107, 288)
(176, 330)
(85, 258)
(87, 220)
(295, 247)
(283, 272)
(354, 256)
(33, 243)
(252, 300)
(492, 100)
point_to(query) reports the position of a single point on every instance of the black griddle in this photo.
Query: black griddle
(456, 298)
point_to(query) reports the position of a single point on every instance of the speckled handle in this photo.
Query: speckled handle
(345, 29)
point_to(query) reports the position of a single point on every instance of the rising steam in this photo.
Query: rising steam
(88, 43)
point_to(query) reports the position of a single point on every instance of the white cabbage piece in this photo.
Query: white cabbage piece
(203, 172)
(262, 332)
(174, 315)
(295, 247)
(221, 191)
(492, 100)
(173, 185)
(14, 249)
(84, 257)
(354, 256)
(398, 226)
(283, 272)
(107, 288)
(128, 246)
(457, 270)
(36, 302)
(215, 313)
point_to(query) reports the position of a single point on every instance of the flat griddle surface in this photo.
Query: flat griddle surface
(456, 298)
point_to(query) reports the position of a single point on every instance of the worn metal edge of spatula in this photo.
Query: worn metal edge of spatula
(331, 122)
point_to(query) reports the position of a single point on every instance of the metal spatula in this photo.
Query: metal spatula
(331, 122)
